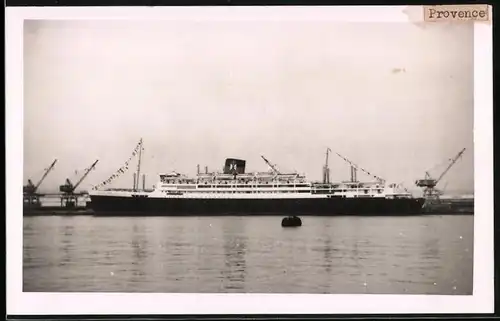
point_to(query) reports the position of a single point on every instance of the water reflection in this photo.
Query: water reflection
(327, 249)
(67, 234)
(139, 243)
(328, 255)
(234, 246)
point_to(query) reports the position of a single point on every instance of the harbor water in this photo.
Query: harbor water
(343, 255)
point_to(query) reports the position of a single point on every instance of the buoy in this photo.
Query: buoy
(291, 221)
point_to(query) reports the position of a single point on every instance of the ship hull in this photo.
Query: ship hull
(117, 205)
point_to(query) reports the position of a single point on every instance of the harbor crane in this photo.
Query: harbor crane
(69, 197)
(429, 184)
(30, 190)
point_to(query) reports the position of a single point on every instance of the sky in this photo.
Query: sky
(395, 98)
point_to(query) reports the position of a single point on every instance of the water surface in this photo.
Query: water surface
(349, 255)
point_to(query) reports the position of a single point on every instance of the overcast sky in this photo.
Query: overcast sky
(395, 98)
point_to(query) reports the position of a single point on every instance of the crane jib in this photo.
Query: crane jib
(45, 174)
(69, 188)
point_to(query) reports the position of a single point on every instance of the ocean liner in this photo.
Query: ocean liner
(236, 192)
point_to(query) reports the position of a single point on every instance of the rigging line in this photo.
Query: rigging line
(361, 168)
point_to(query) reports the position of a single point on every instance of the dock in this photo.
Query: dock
(52, 204)
(450, 205)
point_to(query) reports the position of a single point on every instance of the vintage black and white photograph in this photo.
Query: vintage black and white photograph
(256, 155)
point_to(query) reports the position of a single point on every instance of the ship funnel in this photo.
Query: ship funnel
(234, 166)
(354, 172)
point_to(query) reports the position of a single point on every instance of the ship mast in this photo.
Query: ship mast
(138, 166)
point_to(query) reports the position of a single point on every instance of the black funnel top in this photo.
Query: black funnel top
(234, 166)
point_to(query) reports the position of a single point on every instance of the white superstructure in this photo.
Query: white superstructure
(262, 185)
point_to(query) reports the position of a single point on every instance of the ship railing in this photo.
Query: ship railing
(120, 189)
(251, 182)
(219, 175)
(169, 175)
(362, 184)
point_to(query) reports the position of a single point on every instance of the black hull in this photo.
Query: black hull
(113, 206)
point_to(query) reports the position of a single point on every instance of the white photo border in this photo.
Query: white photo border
(21, 303)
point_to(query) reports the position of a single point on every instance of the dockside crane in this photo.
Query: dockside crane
(69, 197)
(429, 184)
(30, 190)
